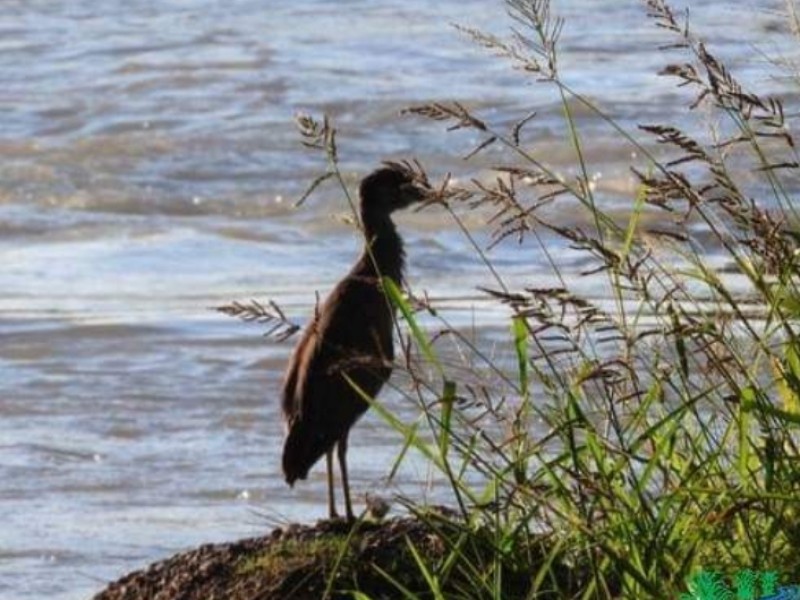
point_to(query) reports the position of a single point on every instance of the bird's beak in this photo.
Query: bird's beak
(414, 192)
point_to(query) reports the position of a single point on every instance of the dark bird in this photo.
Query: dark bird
(346, 352)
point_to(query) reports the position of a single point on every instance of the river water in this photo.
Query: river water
(148, 170)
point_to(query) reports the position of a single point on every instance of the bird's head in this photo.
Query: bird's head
(392, 187)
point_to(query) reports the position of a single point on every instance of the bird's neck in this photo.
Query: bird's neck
(383, 250)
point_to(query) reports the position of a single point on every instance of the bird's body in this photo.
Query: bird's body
(315, 383)
(345, 354)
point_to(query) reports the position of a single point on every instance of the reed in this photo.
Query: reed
(669, 408)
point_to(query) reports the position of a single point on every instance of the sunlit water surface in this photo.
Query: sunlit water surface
(148, 167)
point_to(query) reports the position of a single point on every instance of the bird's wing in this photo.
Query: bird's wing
(352, 330)
(340, 324)
(298, 366)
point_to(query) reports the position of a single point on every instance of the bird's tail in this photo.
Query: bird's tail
(302, 449)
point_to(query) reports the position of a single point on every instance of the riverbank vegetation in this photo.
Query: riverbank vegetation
(647, 430)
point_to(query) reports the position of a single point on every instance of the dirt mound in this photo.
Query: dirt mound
(295, 562)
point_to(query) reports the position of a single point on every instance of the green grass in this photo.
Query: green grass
(293, 554)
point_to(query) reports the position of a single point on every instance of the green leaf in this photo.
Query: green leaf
(751, 405)
(430, 578)
(520, 331)
(788, 379)
(633, 223)
(447, 400)
(396, 298)
(788, 300)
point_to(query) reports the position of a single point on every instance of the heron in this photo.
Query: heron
(345, 354)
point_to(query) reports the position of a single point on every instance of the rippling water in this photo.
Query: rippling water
(148, 163)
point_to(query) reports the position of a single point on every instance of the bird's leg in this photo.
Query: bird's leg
(331, 499)
(341, 452)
